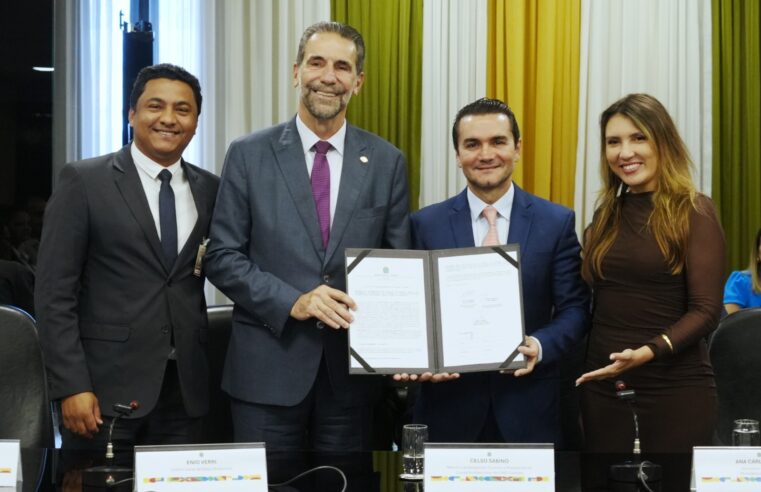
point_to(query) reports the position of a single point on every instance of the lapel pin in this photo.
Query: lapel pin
(363, 159)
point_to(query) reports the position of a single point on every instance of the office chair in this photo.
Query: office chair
(217, 425)
(25, 410)
(735, 352)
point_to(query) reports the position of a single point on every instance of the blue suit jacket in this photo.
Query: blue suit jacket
(555, 305)
(266, 250)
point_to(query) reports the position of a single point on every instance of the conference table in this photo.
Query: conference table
(377, 471)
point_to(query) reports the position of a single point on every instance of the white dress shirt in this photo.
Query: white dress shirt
(335, 157)
(185, 206)
(481, 226)
(504, 206)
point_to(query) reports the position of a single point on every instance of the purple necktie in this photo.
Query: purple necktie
(321, 188)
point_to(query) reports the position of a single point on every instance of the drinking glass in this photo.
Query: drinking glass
(746, 433)
(413, 438)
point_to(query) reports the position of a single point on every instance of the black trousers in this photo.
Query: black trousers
(318, 431)
(319, 422)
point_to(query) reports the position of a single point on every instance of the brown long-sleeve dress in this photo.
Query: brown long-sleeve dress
(637, 301)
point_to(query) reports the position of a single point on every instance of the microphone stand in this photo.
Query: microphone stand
(634, 475)
(110, 476)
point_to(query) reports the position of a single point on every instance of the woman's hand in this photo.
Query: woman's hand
(622, 362)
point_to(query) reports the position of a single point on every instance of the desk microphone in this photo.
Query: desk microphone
(110, 477)
(629, 396)
(635, 475)
(121, 410)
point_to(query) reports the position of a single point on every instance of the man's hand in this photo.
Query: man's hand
(329, 305)
(530, 352)
(427, 376)
(439, 377)
(81, 414)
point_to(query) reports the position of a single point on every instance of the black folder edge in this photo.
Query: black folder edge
(509, 359)
(361, 361)
(360, 254)
(353, 353)
(503, 251)
(514, 263)
(506, 256)
(431, 272)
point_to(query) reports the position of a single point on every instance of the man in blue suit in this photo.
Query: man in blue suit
(494, 407)
(292, 198)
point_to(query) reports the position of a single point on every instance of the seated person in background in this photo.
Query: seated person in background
(19, 236)
(16, 285)
(743, 288)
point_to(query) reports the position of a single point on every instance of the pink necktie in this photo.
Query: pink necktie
(491, 238)
(321, 188)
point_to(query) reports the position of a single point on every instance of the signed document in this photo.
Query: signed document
(454, 310)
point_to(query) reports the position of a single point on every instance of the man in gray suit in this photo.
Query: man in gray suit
(292, 198)
(121, 311)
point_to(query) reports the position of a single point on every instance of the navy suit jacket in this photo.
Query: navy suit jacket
(555, 306)
(266, 250)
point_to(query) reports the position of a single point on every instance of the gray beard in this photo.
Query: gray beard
(322, 112)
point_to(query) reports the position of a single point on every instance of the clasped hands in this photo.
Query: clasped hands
(530, 351)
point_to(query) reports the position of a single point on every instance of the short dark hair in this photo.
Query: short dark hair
(343, 30)
(485, 106)
(164, 71)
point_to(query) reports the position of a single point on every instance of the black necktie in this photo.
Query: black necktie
(167, 217)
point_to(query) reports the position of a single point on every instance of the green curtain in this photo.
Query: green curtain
(391, 99)
(737, 124)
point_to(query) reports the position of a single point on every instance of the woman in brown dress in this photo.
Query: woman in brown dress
(654, 255)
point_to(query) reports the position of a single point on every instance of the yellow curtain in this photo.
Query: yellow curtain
(390, 103)
(533, 65)
(737, 124)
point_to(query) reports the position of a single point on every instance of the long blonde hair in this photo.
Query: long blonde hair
(674, 195)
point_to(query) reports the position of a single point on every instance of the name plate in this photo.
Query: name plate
(10, 462)
(727, 469)
(201, 467)
(489, 467)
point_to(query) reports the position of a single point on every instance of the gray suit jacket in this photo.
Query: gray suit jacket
(266, 250)
(107, 301)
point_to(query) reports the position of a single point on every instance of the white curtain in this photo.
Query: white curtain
(249, 85)
(181, 38)
(241, 51)
(661, 48)
(256, 44)
(99, 76)
(66, 96)
(454, 74)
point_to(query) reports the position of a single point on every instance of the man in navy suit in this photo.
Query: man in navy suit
(494, 407)
(277, 250)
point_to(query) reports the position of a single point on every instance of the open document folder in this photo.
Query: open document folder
(451, 310)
